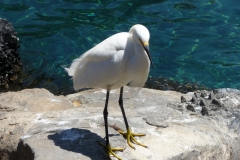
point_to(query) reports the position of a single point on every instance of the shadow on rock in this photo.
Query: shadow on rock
(80, 141)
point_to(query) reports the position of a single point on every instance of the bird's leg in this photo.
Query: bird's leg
(128, 135)
(110, 150)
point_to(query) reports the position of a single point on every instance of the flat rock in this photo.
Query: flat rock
(172, 131)
(33, 100)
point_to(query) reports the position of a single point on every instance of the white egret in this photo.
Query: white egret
(121, 59)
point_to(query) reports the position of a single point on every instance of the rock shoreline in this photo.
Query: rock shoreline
(35, 124)
(10, 62)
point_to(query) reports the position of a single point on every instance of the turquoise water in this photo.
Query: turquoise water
(191, 40)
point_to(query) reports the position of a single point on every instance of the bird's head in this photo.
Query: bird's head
(141, 35)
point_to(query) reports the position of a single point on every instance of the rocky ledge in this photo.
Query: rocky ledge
(35, 124)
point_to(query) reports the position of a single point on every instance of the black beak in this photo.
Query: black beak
(146, 48)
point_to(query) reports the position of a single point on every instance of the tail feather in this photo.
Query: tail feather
(73, 67)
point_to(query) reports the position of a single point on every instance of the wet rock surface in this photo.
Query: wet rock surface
(173, 130)
(10, 63)
(162, 83)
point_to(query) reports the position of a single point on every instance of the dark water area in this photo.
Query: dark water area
(195, 41)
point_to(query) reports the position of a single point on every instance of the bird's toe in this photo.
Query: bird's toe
(110, 151)
(130, 138)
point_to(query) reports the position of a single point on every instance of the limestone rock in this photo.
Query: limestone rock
(172, 131)
(33, 100)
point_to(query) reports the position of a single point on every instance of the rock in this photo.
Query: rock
(163, 83)
(194, 99)
(73, 133)
(204, 94)
(203, 102)
(217, 102)
(183, 99)
(204, 111)
(33, 100)
(219, 93)
(10, 63)
(197, 95)
(214, 102)
(190, 107)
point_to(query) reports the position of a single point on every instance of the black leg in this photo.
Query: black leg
(128, 135)
(120, 101)
(105, 115)
(108, 147)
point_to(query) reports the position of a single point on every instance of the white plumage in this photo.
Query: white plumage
(115, 62)
(118, 60)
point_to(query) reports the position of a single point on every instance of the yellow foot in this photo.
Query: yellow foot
(130, 137)
(110, 151)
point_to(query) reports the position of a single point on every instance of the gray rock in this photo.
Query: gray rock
(34, 100)
(216, 101)
(204, 94)
(205, 111)
(219, 93)
(203, 102)
(195, 98)
(73, 132)
(183, 99)
(190, 107)
(211, 96)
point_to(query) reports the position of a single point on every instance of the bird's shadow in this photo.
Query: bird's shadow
(81, 141)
